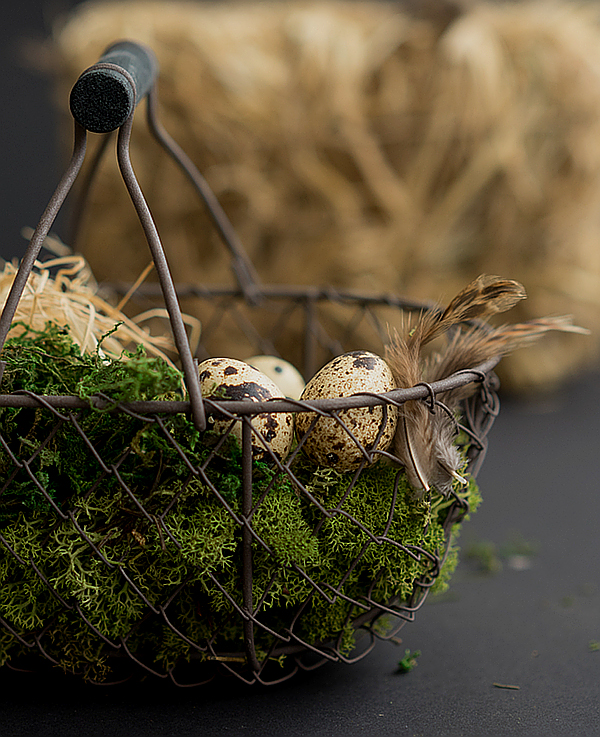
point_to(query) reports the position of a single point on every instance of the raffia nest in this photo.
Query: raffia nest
(357, 145)
(63, 291)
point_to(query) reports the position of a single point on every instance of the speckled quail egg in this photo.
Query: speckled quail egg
(228, 378)
(284, 374)
(328, 444)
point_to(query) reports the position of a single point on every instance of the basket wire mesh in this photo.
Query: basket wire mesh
(329, 322)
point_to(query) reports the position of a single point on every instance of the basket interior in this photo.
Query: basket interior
(130, 542)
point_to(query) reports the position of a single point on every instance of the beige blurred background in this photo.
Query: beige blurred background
(385, 147)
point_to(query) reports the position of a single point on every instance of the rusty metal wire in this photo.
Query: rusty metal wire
(319, 333)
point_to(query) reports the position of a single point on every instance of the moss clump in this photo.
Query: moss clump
(136, 546)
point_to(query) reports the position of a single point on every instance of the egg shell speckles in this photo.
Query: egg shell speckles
(351, 373)
(228, 378)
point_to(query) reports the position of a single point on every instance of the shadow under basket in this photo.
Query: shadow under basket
(135, 539)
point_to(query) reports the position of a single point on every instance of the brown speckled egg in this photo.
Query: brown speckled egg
(352, 373)
(228, 378)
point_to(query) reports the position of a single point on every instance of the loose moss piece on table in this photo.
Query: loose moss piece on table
(135, 552)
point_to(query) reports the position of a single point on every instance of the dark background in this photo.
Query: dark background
(30, 166)
(532, 625)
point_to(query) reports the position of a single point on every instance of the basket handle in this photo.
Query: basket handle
(242, 267)
(101, 101)
(107, 93)
(104, 98)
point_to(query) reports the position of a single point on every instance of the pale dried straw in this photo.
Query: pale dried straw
(62, 290)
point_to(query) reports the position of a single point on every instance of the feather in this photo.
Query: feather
(424, 439)
(472, 346)
(483, 297)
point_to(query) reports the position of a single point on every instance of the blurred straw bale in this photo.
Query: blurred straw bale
(361, 145)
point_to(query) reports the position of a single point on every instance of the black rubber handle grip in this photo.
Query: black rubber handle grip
(103, 97)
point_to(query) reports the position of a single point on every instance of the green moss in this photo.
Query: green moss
(141, 552)
(409, 661)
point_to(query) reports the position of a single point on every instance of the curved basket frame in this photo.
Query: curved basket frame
(479, 413)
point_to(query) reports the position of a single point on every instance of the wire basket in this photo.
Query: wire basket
(210, 575)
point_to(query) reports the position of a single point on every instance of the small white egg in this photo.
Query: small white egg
(228, 378)
(284, 374)
(329, 444)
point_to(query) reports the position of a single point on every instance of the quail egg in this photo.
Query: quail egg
(284, 374)
(329, 444)
(228, 378)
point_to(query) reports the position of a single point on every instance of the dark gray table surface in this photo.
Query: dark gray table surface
(529, 627)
